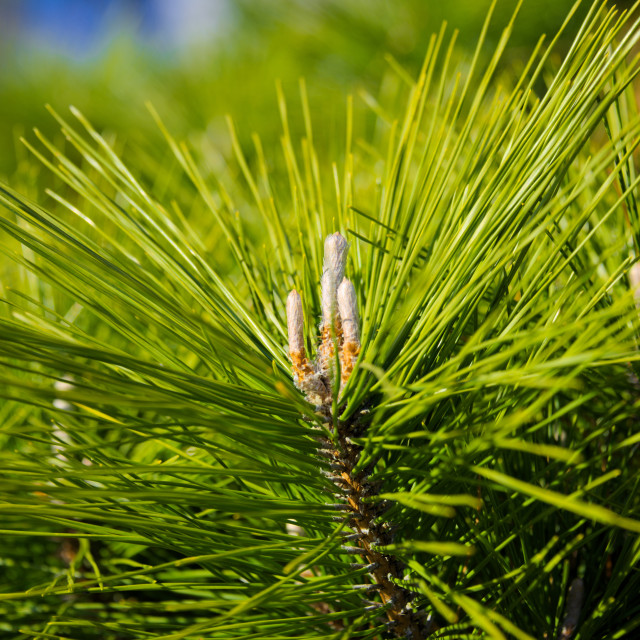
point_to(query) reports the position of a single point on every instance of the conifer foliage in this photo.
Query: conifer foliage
(452, 455)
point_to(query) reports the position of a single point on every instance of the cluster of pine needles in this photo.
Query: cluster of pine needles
(162, 477)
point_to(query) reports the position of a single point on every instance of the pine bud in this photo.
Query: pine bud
(295, 326)
(335, 256)
(304, 376)
(348, 310)
(302, 370)
(316, 380)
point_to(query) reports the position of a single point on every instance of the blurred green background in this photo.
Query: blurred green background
(197, 60)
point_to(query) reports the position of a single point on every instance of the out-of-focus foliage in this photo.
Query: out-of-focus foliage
(339, 44)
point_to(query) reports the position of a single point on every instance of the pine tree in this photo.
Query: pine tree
(441, 438)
